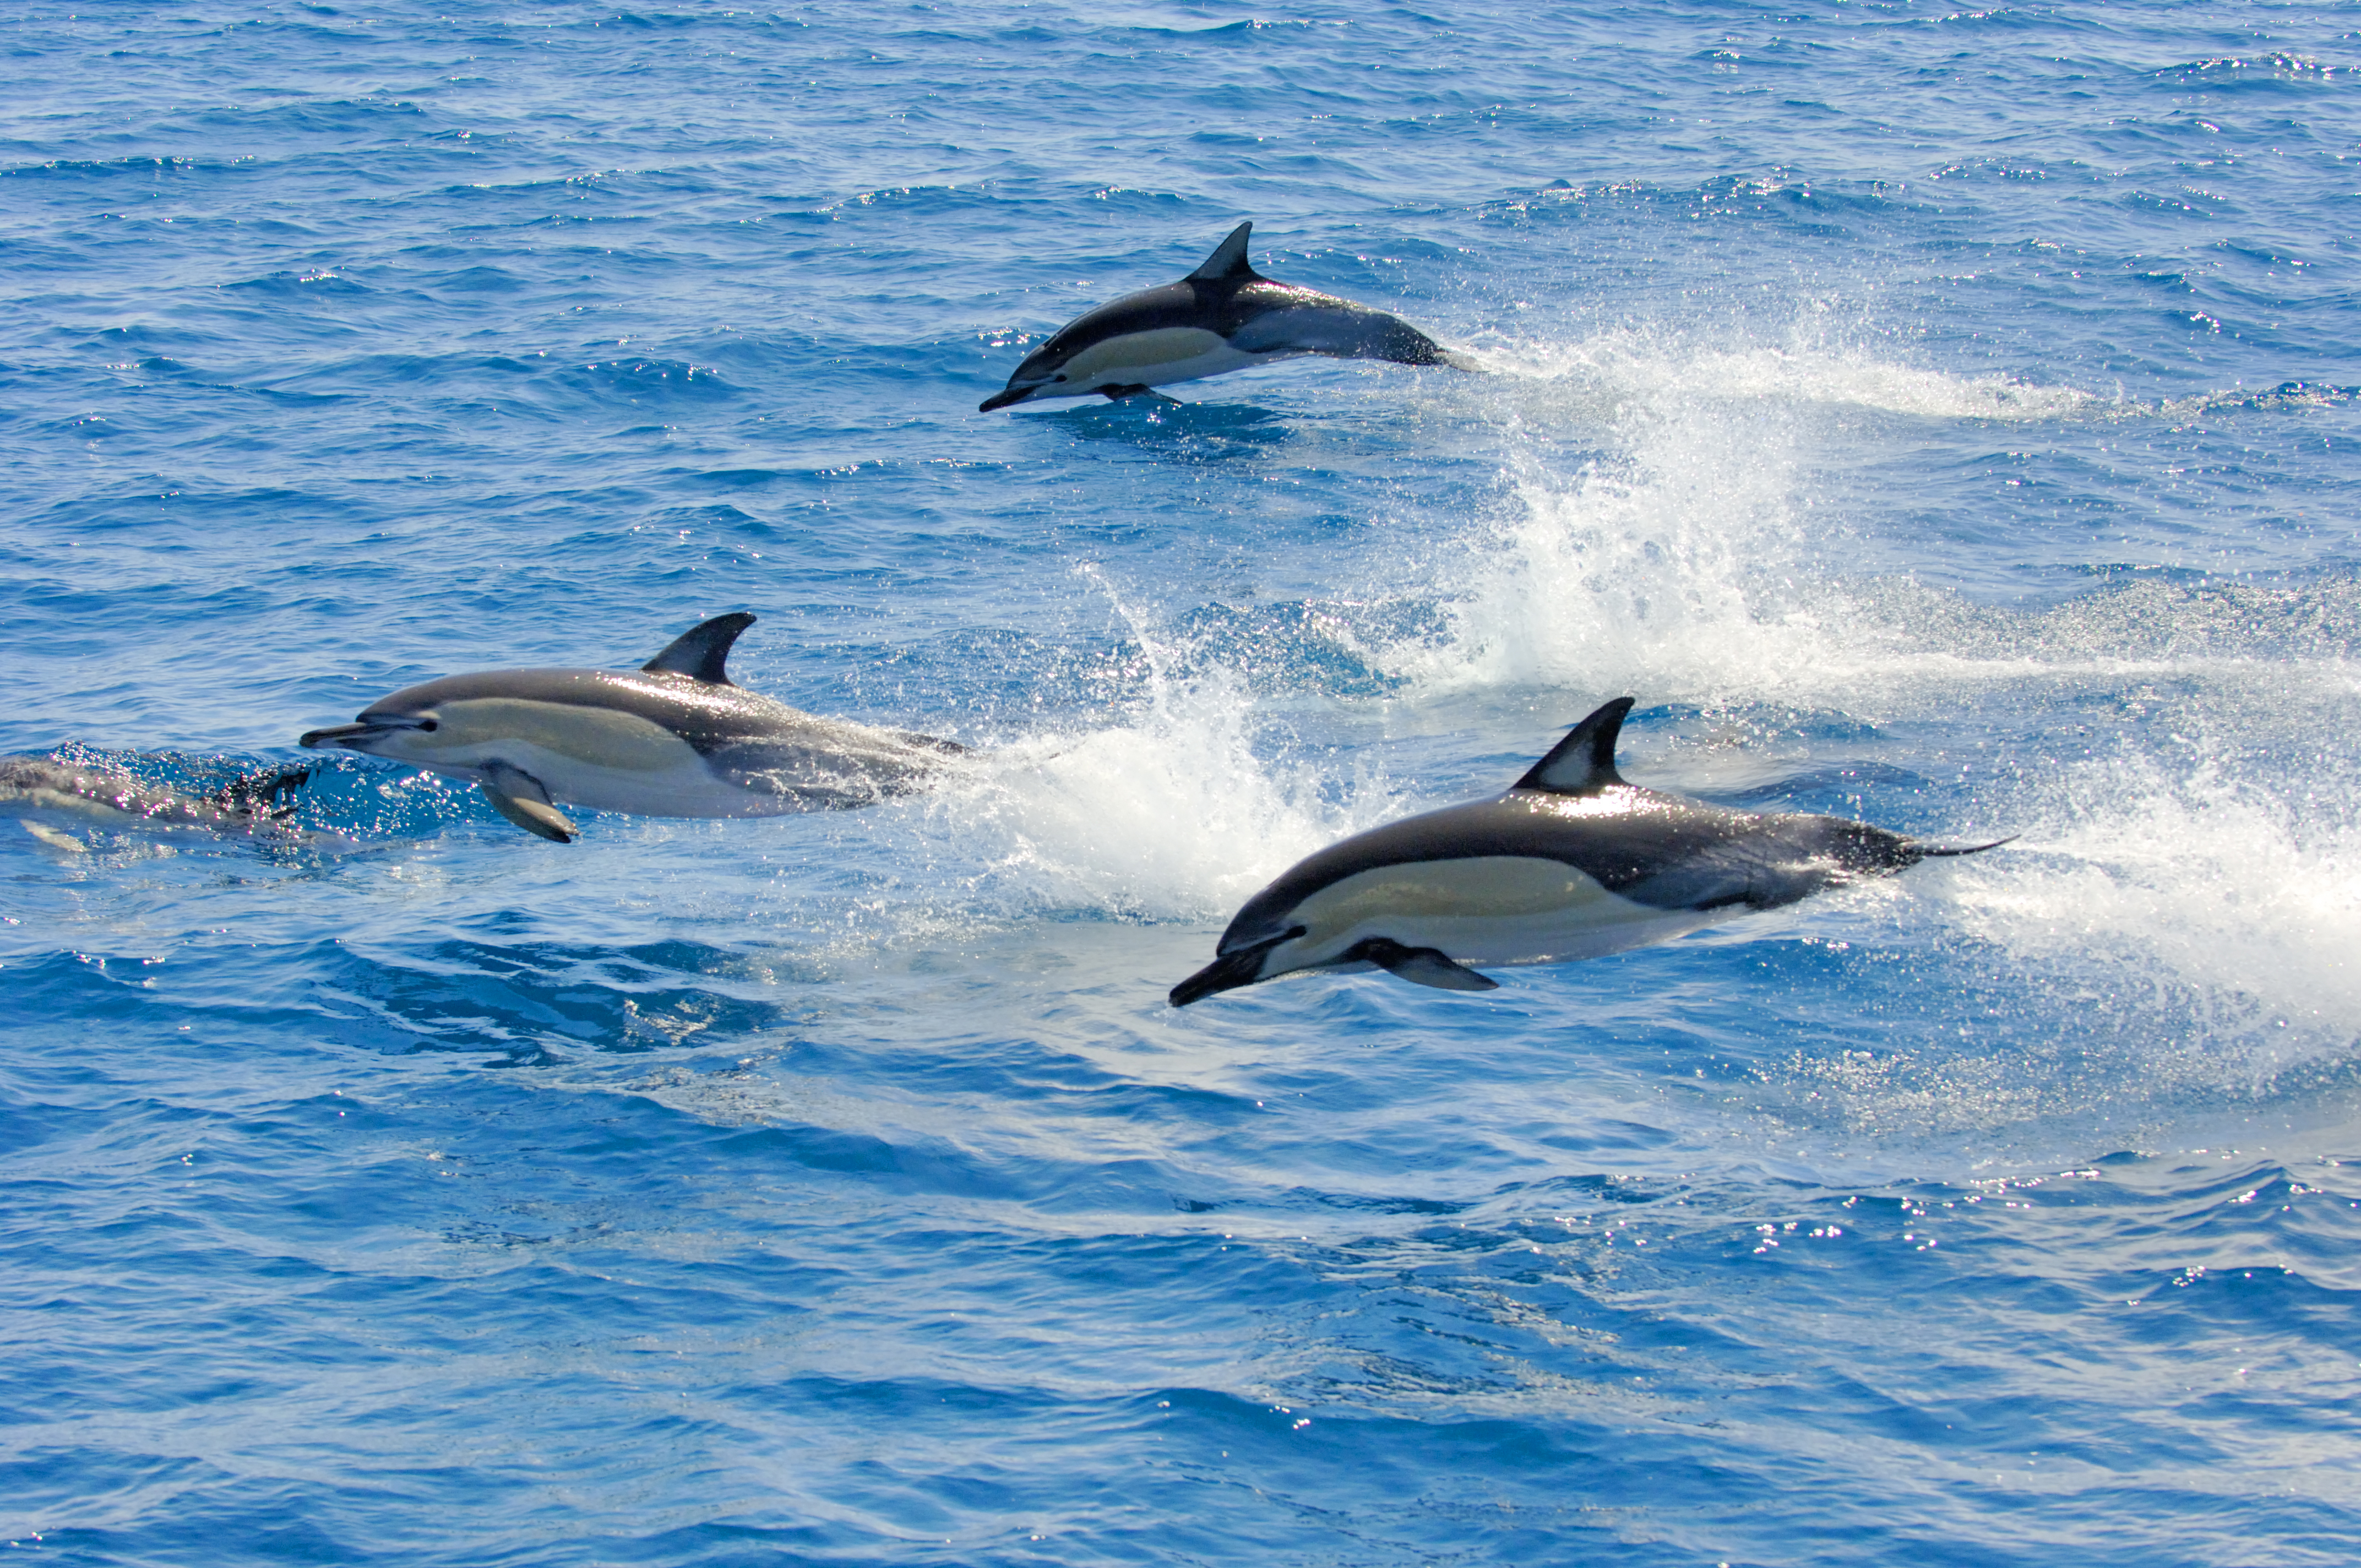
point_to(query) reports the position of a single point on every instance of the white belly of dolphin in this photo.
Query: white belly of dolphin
(1493, 910)
(593, 757)
(1155, 359)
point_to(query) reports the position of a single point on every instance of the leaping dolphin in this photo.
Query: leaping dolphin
(675, 738)
(1572, 862)
(1223, 316)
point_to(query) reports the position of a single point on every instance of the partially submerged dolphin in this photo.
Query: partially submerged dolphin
(1223, 316)
(1572, 862)
(675, 738)
(43, 792)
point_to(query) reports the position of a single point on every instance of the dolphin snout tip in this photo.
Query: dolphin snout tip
(1225, 973)
(1003, 398)
(346, 735)
(1190, 990)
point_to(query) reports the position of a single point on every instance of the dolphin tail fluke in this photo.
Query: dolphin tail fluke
(1420, 966)
(1943, 851)
(1228, 263)
(702, 652)
(518, 797)
(258, 793)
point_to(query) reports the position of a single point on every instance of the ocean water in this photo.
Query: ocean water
(1942, 416)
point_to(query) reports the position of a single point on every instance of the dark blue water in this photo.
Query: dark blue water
(1939, 416)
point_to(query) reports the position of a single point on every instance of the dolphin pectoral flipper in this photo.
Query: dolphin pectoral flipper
(518, 797)
(64, 843)
(1420, 966)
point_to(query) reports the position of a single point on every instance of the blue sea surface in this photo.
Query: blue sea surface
(1946, 417)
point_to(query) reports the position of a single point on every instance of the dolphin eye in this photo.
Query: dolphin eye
(429, 725)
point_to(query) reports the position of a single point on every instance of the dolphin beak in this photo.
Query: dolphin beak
(1005, 396)
(351, 736)
(1229, 972)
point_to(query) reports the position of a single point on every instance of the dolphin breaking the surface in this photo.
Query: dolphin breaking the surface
(675, 737)
(1223, 316)
(47, 796)
(1571, 862)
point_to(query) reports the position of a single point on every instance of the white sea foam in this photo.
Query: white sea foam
(1689, 562)
(1686, 572)
(2190, 894)
(1626, 365)
(1172, 814)
(1645, 571)
(1181, 811)
(1677, 564)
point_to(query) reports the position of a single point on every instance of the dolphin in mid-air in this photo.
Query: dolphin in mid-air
(675, 737)
(43, 792)
(1223, 316)
(1572, 862)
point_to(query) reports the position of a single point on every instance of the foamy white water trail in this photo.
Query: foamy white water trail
(2225, 912)
(1649, 367)
(1173, 815)
(1180, 812)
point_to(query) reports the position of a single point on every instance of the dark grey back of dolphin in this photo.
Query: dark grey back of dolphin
(685, 688)
(676, 736)
(1227, 297)
(1664, 851)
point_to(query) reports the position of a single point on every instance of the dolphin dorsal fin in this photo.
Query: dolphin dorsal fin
(1228, 262)
(702, 652)
(1583, 763)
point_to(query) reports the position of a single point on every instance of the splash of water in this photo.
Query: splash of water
(1181, 812)
(2187, 892)
(1627, 368)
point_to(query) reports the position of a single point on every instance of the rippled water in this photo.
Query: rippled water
(1944, 417)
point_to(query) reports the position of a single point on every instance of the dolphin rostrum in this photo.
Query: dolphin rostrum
(675, 737)
(1223, 316)
(42, 792)
(1572, 862)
